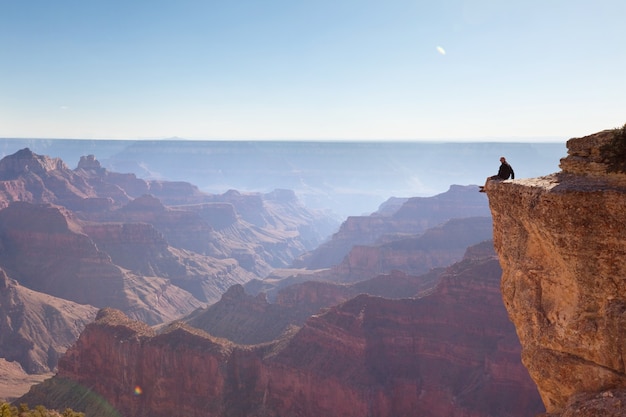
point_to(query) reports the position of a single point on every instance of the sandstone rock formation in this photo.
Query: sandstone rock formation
(261, 230)
(25, 176)
(265, 230)
(561, 241)
(452, 352)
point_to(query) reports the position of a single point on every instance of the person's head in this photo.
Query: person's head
(502, 159)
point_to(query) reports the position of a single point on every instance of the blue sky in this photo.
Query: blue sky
(323, 69)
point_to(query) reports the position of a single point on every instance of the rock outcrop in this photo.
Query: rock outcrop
(561, 241)
(99, 238)
(452, 352)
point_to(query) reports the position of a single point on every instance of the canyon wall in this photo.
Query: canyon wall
(561, 240)
(450, 353)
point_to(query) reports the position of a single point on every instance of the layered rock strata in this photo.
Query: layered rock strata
(561, 241)
(453, 352)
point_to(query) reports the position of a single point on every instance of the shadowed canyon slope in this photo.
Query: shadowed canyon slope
(561, 240)
(395, 269)
(409, 235)
(452, 352)
(36, 328)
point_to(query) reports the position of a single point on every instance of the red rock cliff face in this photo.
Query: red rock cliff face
(561, 240)
(451, 353)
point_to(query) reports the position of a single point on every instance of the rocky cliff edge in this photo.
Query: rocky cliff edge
(561, 240)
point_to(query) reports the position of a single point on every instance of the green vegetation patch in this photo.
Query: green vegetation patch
(60, 393)
(614, 152)
(8, 410)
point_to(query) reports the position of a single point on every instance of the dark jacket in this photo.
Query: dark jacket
(506, 171)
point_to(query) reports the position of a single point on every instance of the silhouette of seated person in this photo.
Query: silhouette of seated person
(504, 173)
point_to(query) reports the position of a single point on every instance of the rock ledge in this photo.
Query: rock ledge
(561, 241)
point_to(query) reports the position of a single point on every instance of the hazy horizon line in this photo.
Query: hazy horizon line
(509, 139)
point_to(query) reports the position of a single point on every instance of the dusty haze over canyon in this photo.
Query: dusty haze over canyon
(272, 308)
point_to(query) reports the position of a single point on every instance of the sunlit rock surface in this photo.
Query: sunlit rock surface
(561, 240)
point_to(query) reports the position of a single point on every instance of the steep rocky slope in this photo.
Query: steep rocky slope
(561, 240)
(121, 226)
(26, 176)
(450, 353)
(36, 328)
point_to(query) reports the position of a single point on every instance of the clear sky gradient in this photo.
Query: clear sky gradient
(314, 69)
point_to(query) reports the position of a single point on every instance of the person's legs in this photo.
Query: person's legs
(482, 187)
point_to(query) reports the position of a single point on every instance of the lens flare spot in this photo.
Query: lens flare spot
(137, 390)
(441, 50)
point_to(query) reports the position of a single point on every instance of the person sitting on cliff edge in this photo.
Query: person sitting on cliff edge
(504, 172)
